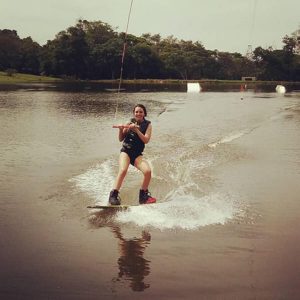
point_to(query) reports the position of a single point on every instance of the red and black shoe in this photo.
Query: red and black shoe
(146, 198)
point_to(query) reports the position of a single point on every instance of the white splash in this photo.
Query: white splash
(184, 212)
(97, 181)
(180, 209)
(227, 139)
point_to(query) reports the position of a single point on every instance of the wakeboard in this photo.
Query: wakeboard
(120, 207)
(116, 207)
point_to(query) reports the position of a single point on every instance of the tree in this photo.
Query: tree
(290, 44)
(296, 37)
(67, 54)
(21, 55)
(278, 64)
(93, 50)
(145, 63)
(106, 59)
(30, 56)
(10, 49)
(183, 59)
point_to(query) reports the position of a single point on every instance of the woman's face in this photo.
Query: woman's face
(139, 113)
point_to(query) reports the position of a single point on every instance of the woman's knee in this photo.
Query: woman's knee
(143, 166)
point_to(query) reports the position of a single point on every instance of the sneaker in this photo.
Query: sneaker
(146, 198)
(114, 198)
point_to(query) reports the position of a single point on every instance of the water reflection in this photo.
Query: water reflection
(93, 104)
(133, 267)
(108, 87)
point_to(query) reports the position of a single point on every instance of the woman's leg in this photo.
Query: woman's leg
(144, 195)
(144, 167)
(124, 162)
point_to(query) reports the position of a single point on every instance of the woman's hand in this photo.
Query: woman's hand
(133, 127)
(144, 137)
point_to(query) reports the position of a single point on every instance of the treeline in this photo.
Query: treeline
(93, 50)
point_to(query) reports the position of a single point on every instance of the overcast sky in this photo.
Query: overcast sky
(226, 25)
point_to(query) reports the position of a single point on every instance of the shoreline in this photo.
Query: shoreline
(28, 78)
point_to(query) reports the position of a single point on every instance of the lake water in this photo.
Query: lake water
(226, 173)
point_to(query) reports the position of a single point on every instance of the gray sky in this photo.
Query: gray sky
(226, 25)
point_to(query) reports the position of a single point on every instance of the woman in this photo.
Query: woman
(134, 135)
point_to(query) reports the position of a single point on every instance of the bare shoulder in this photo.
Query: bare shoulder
(149, 127)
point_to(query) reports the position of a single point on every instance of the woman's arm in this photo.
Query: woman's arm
(144, 137)
(122, 132)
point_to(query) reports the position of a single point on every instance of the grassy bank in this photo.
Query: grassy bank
(24, 78)
(181, 81)
(27, 78)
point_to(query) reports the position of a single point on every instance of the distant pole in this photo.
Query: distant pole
(249, 53)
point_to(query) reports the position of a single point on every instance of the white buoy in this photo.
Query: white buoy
(193, 87)
(280, 89)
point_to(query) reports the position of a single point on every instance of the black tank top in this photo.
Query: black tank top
(132, 141)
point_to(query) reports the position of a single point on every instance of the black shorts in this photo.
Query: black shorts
(132, 154)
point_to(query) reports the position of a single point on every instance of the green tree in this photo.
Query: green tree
(10, 49)
(94, 50)
(277, 64)
(183, 59)
(145, 63)
(291, 55)
(106, 59)
(97, 32)
(30, 56)
(290, 44)
(67, 54)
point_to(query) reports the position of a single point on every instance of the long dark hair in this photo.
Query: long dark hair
(142, 107)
